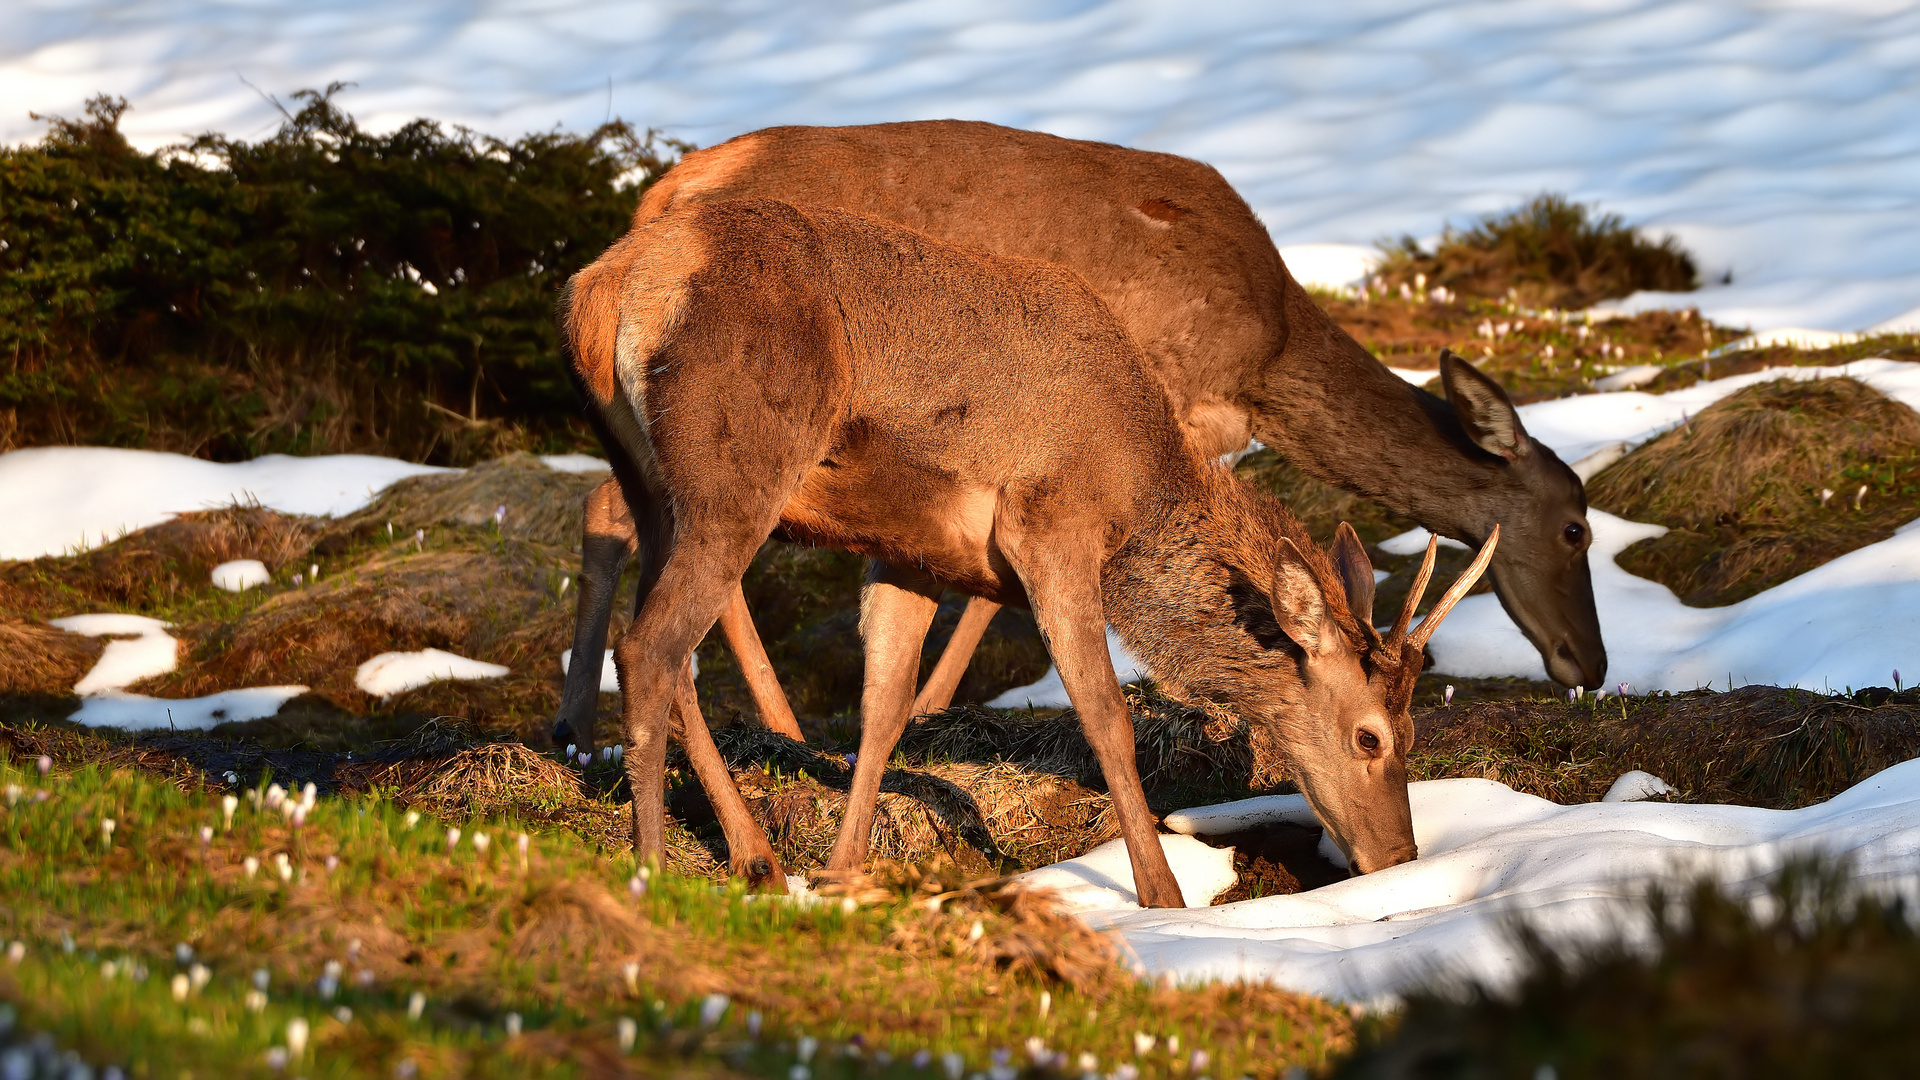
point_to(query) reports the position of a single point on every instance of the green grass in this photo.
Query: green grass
(481, 937)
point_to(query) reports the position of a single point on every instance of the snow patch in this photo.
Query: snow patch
(142, 649)
(137, 712)
(1488, 853)
(58, 498)
(393, 672)
(1414, 541)
(241, 575)
(575, 463)
(1050, 693)
(1102, 879)
(609, 675)
(1635, 785)
(1330, 266)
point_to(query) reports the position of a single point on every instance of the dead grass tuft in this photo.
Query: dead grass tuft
(1741, 486)
(1547, 252)
(543, 505)
(579, 925)
(39, 659)
(154, 567)
(993, 922)
(1756, 746)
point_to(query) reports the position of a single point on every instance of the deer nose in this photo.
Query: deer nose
(1568, 668)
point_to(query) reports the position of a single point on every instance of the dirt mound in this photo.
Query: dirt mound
(1766, 484)
(1756, 746)
(497, 606)
(542, 505)
(39, 659)
(155, 566)
(1548, 252)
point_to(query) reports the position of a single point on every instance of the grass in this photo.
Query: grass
(484, 937)
(1766, 484)
(1548, 252)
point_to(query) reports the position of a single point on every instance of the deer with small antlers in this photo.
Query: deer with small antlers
(977, 422)
(1240, 347)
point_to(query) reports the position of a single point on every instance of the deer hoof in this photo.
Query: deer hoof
(563, 733)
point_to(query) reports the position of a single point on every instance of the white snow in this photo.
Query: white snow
(575, 463)
(609, 676)
(1102, 879)
(241, 575)
(1050, 693)
(58, 498)
(1635, 785)
(137, 712)
(141, 649)
(1775, 139)
(393, 672)
(1414, 541)
(1487, 854)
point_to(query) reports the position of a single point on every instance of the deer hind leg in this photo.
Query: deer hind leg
(1064, 588)
(896, 608)
(608, 542)
(749, 855)
(685, 584)
(769, 700)
(938, 693)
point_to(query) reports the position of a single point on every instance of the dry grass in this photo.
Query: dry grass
(38, 659)
(1548, 252)
(1756, 746)
(1741, 487)
(542, 504)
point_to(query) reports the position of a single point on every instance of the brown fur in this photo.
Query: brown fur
(969, 421)
(1239, 346)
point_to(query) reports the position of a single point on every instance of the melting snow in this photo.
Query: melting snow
(1487, 854)
(609, 675)
(141, 649)
(57, 498)
(392, 672)
(241, 575)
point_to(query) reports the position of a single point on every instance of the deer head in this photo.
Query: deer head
(1349, 746)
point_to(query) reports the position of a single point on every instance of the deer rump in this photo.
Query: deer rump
(985, 422)
(1239, 348)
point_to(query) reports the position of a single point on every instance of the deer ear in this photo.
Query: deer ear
(1486, 413)
(1356, 572)
(1253, 612)
(1298, 604)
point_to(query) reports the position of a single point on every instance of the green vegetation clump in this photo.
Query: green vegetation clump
(1817, 980)
(1548, 252)
(325, 289)
(1766, 484)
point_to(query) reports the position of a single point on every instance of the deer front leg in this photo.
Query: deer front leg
(769, 700)
(749, 855)
(1066, 603)
(896, 608)
(608, 542)
(938, 693)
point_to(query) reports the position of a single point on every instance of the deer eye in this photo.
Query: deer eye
(1574, 532)
(1368, 741)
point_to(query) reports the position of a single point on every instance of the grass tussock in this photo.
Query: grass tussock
(1756, 746)
(1765, 485)
(534, 503)
(1815, 979)
(1547, 252)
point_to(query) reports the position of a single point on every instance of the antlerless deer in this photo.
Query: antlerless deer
(1238, 345)
(977, 422)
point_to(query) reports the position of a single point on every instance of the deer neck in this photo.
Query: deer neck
(1326, 405)
(1164, 590)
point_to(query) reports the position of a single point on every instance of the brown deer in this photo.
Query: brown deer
(968, 421)
(1240, 347)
